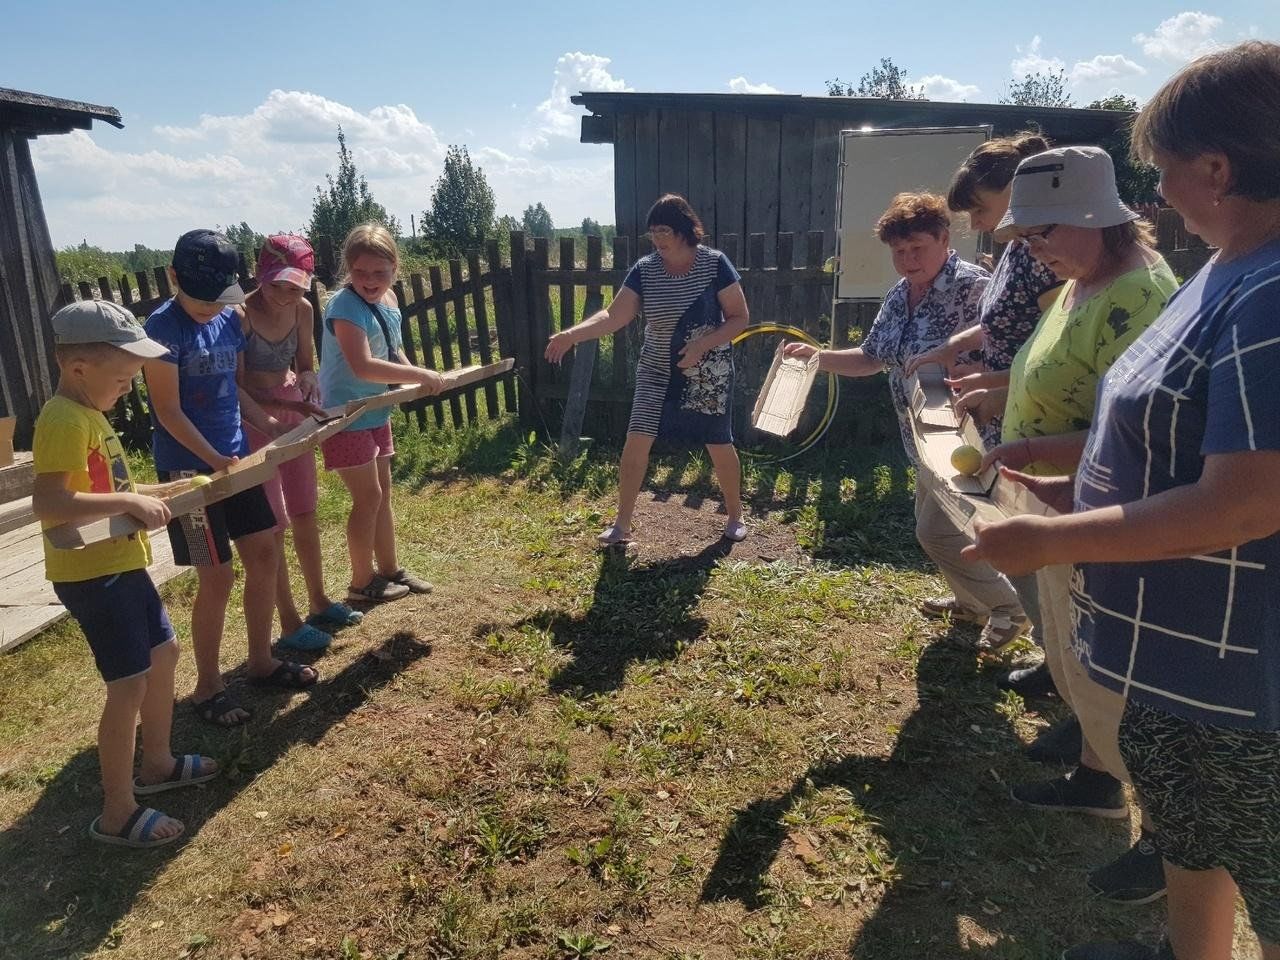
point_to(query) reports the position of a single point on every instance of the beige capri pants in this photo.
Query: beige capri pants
(1098, 708)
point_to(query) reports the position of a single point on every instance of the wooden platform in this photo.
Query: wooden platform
(27, 602)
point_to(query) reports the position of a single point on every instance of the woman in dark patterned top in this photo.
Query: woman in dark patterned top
(693, 307)
(1021, 287)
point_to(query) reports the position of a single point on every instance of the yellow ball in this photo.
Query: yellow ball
(200, 480)
(966, 460)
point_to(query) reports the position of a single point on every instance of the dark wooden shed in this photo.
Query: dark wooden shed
(768, 163)
(28, 269)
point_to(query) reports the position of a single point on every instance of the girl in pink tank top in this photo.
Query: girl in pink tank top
(279, 372)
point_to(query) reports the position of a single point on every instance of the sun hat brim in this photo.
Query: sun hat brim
(1020, 218)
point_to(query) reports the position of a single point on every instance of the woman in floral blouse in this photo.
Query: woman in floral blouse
(938, 295)
(693, 308)
(1021, 287)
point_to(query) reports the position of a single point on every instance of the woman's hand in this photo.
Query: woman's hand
(800, 351)
(692, 353)
(983, 405)
(1057, 493)
(1017, 546)
(981, 380)
(943, 354)
(429, 380)
(559, 345)
(1014, 455)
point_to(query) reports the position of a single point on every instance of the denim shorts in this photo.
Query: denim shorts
(122, 617)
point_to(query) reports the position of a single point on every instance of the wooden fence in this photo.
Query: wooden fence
(478, 309)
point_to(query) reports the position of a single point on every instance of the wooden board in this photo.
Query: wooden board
(258, 467)
(453, 379)
(248, 472)
(20, 622)
(17, 478)
(931, 398)
(937, 434)
(785, 391)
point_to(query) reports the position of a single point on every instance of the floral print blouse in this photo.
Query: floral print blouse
(898, 333)
(1010, 305)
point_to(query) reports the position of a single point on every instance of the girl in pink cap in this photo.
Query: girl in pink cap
(279, 372)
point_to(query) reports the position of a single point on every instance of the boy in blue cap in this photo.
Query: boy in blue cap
(81, 475)
(196, 407)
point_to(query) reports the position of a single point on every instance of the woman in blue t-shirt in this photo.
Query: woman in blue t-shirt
(693, 308)
(1175, 532)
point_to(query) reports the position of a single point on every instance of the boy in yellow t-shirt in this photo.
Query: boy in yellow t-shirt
(82, 475)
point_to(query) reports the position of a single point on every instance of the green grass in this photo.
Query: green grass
(559, 754)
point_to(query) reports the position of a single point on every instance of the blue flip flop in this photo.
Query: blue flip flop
(307, 638)
(136, 832)
(336, 615)
(188, 770)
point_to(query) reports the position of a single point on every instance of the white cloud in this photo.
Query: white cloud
(743, 85)
(1182, 37)
(937, 87)
(556, 117)
(1105, 66)
(263, 166)
(1031, 60)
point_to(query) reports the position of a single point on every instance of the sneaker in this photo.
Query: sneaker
(948, 608)
(735, 531)
(411, 580)
(1030, 683)
(1135, 877)
(1061, 743)
(1094, 792)
(1001, 631)
(378, 590)
(1119, 951)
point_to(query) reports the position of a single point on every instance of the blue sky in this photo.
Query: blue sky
(231, 115)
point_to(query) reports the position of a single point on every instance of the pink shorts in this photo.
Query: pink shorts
(355, 448)
(291, 491)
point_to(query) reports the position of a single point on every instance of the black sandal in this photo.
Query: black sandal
(288, 676)
(218, 706)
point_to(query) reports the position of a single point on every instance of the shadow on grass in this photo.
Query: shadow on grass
(61, 894)
(638, 612)
(850, 503)
(950, 834)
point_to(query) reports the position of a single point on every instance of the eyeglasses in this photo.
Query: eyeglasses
(664, 232)
(1039, 239)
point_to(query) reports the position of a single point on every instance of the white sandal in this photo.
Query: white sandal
(613, 535)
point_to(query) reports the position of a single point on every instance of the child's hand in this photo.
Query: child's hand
(274, 427)
(309, 386)
(428, 380)
(151, 512)
(559, 345)
(222, 463)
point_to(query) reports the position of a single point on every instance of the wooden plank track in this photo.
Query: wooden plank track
(27, 601)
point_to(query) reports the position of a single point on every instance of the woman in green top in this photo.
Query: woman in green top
(1065, 205)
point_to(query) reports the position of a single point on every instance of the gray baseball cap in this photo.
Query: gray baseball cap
(104, 321)
(1071, 185)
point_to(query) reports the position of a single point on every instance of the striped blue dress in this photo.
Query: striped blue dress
(683, 406)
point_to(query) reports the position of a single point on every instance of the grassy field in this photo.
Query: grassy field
(681, 752)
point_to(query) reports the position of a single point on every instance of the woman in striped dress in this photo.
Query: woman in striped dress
(693, 307)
